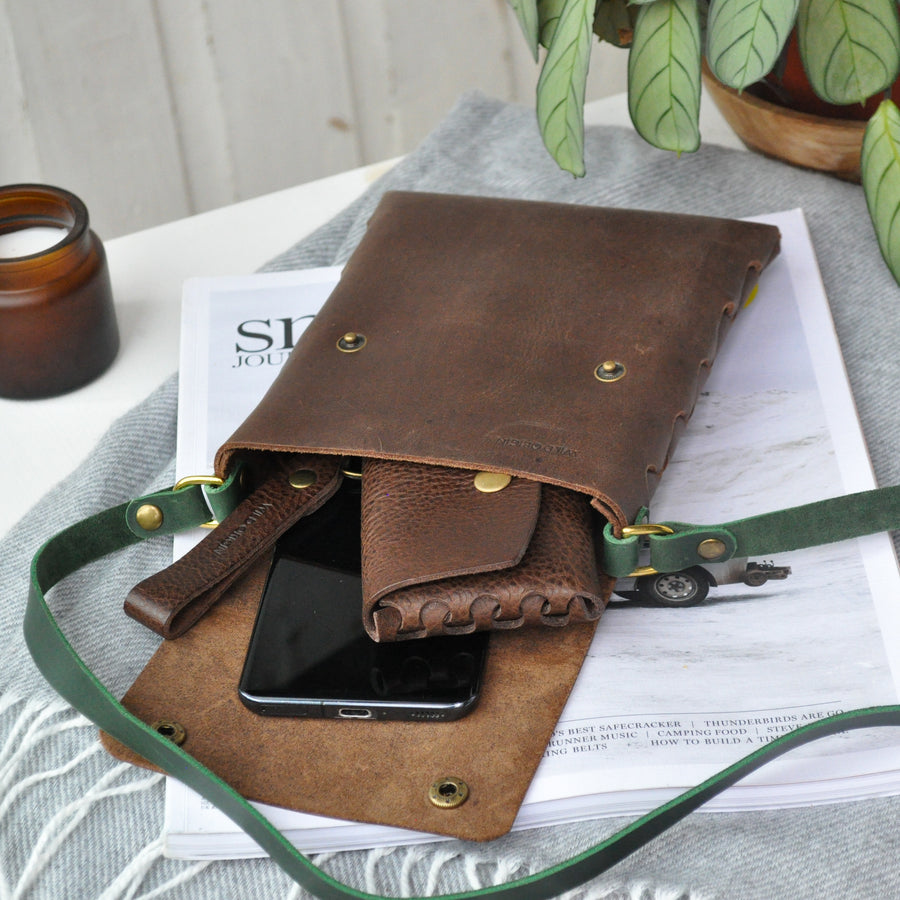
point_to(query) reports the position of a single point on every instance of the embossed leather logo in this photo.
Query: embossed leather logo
(257, 513)
(535, 446)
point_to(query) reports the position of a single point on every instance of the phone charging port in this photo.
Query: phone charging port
(354, 712)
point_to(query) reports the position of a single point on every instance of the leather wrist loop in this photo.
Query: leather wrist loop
(57, 322)
(173, 600)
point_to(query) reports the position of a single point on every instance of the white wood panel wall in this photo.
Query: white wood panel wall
(151, 110)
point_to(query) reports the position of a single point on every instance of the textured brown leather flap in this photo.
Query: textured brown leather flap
(425, 523)
(523, 555)
(484, 323)
(366, 771)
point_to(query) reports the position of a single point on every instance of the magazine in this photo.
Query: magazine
(667, 695)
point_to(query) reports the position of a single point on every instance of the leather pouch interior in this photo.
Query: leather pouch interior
(377, 772)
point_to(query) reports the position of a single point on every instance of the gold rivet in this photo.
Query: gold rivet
(351, 342)
(712, 548)
(149, 517)
(303, 478)
(448, 793)
(174, 731)
(611, 370)
(491, 482)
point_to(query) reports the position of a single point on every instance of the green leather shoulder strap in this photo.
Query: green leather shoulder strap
(117, 528)
(673, 546)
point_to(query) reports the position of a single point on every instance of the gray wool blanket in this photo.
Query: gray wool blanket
(75, 823)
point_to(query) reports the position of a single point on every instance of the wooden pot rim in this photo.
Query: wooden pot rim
(800, 138)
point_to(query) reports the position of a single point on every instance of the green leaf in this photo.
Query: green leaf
(527, 13)
(549, 12)
(664, 75)
(850, 48)
(561, 86)
(744, 38)
(881, 180)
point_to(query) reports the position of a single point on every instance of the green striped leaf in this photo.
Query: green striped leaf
(561, 86)
(664, 75)
(850, 48)
(527, 13)
(881, 180)
(744, 38)
(549, 12)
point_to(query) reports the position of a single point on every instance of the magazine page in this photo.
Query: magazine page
(671, 694)
(236, 332)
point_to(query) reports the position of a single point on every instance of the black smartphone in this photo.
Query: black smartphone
(309, 654)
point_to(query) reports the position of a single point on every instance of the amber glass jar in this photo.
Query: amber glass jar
(57, 322)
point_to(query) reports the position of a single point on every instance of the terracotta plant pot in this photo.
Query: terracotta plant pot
(812, 141)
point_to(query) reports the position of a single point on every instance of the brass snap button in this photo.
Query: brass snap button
(174, 731)
(491, 482)
(149, 517)
(609, 371)
(448, 793)
(303, 478)
(351, 342)
(712, 548)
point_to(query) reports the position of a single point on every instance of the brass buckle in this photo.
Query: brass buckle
(203, 480)
(642, 530)
(351, 467)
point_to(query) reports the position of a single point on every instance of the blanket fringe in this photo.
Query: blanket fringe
(30, 762)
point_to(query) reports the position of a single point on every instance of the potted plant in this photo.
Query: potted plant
(850, 52)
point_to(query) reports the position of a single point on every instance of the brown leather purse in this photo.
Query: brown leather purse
(512, 375)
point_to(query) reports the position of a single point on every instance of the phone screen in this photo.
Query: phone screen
(309, 654)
